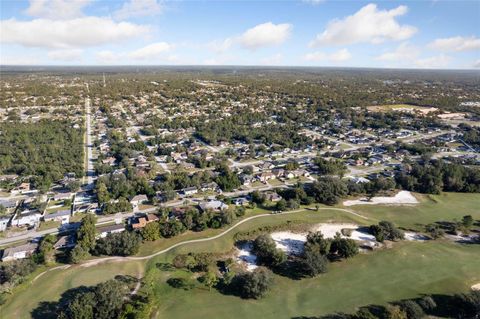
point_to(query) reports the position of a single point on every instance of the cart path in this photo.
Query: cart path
(94, 262)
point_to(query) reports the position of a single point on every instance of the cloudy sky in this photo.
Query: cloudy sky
(405, 34)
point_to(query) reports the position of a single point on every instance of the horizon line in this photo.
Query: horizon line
(236, 66)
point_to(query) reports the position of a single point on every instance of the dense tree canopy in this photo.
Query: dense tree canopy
(46, 149)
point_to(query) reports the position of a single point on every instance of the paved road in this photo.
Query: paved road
(89, 145)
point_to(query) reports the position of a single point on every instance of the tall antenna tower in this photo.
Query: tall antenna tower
(104, 84)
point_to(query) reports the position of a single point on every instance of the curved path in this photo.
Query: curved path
(191, 241)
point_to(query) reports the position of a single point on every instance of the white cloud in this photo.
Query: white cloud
(64, 34)
(66, 55)
(407, 55)
(56, 9)
(367, 25)
(434, 62)
(107, 57)
(339, 56)
(265, 34)
(151, 51)
(403, 54)
(476, 64)
(138, 8)
(456, 44)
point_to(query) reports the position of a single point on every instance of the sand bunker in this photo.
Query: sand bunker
(292, 243)
(289, 242)
(401, 198)
(476, 287)
(415, 237)
(246, 258)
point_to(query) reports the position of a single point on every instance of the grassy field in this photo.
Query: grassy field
(445, 207)
(52, 284)
(404, 271)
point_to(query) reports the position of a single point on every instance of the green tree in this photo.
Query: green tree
(316, 242)
(151, 231)
(46, 252)
(330, 167)
(281, 205)
(103, 195)
(467, 221)
(110, 298)
(258, 197)
(210, 279)
(73, 186)
(328, 190)
(434, 231)
(77, 254)
(313, 262)
(119, 244)
(253, 284)
(266, 251)
(86, 232)
(343, 247)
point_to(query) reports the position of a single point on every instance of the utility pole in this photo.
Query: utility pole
(104, 84)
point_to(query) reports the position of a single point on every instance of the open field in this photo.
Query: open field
(401, 107)
(433, 267)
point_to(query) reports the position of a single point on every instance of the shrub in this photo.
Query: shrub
(314, 263)
(427, 303)
(412, 309)
(343, 247)
(181, 283)
(266, 251)
(253, 284)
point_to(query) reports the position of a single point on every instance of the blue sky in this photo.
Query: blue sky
(403, 34)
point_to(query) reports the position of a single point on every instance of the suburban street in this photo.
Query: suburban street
(88, 145)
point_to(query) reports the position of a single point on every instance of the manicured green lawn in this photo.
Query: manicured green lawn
(432, 208)
(50, 286)
(405, 271)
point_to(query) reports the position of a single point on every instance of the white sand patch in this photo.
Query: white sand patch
(330, 230)
(401, 198)
(246, 258)
(415, 236)
(289, 242)
(476, 287)
(292, 243)
(461, 238)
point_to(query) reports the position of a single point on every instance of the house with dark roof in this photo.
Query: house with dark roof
(67, 241)
(111, 229)
(62, 216)
(19, 252)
